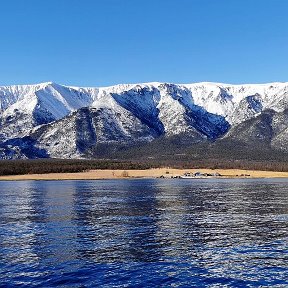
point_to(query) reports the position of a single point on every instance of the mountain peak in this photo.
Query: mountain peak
(45, 84)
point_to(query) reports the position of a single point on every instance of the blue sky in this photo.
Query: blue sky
(105, 42)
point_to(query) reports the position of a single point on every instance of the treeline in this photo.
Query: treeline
(174, 152)
(227, 164)
(180, 153)
(44, 166)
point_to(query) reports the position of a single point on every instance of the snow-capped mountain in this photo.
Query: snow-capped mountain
(269, 128)
(65, 122)
(27, 106)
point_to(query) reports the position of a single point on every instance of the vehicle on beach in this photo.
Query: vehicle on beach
(187, 175)
(190, 175)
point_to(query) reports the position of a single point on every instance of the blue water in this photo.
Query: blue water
(144, 233)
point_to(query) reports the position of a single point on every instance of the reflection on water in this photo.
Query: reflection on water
(144, 233)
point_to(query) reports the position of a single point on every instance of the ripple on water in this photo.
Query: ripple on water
(209, 233)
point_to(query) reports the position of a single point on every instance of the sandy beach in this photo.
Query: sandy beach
(149, 173)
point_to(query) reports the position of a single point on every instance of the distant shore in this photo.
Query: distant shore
(148, 173)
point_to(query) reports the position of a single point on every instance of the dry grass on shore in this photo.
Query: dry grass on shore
(148, 173)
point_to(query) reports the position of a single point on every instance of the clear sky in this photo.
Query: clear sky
(105, 42)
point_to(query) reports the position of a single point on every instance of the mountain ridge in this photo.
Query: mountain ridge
(68, 121)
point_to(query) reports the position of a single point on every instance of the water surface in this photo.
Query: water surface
(144, 233)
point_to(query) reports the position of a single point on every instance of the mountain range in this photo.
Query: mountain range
(49, 120)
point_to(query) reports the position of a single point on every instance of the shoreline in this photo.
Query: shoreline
(148, 173)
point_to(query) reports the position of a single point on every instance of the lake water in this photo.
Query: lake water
(144, 233)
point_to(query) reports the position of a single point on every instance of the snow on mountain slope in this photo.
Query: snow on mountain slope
(27, 106)
(165, 108)
(56, 100)
(269, 129)
(190, 116)
(236, 103)
(133, 112)
(71, 136)
(215, 98)
(59, 100)
(280, 129)
(9, 95)
(240, 102)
